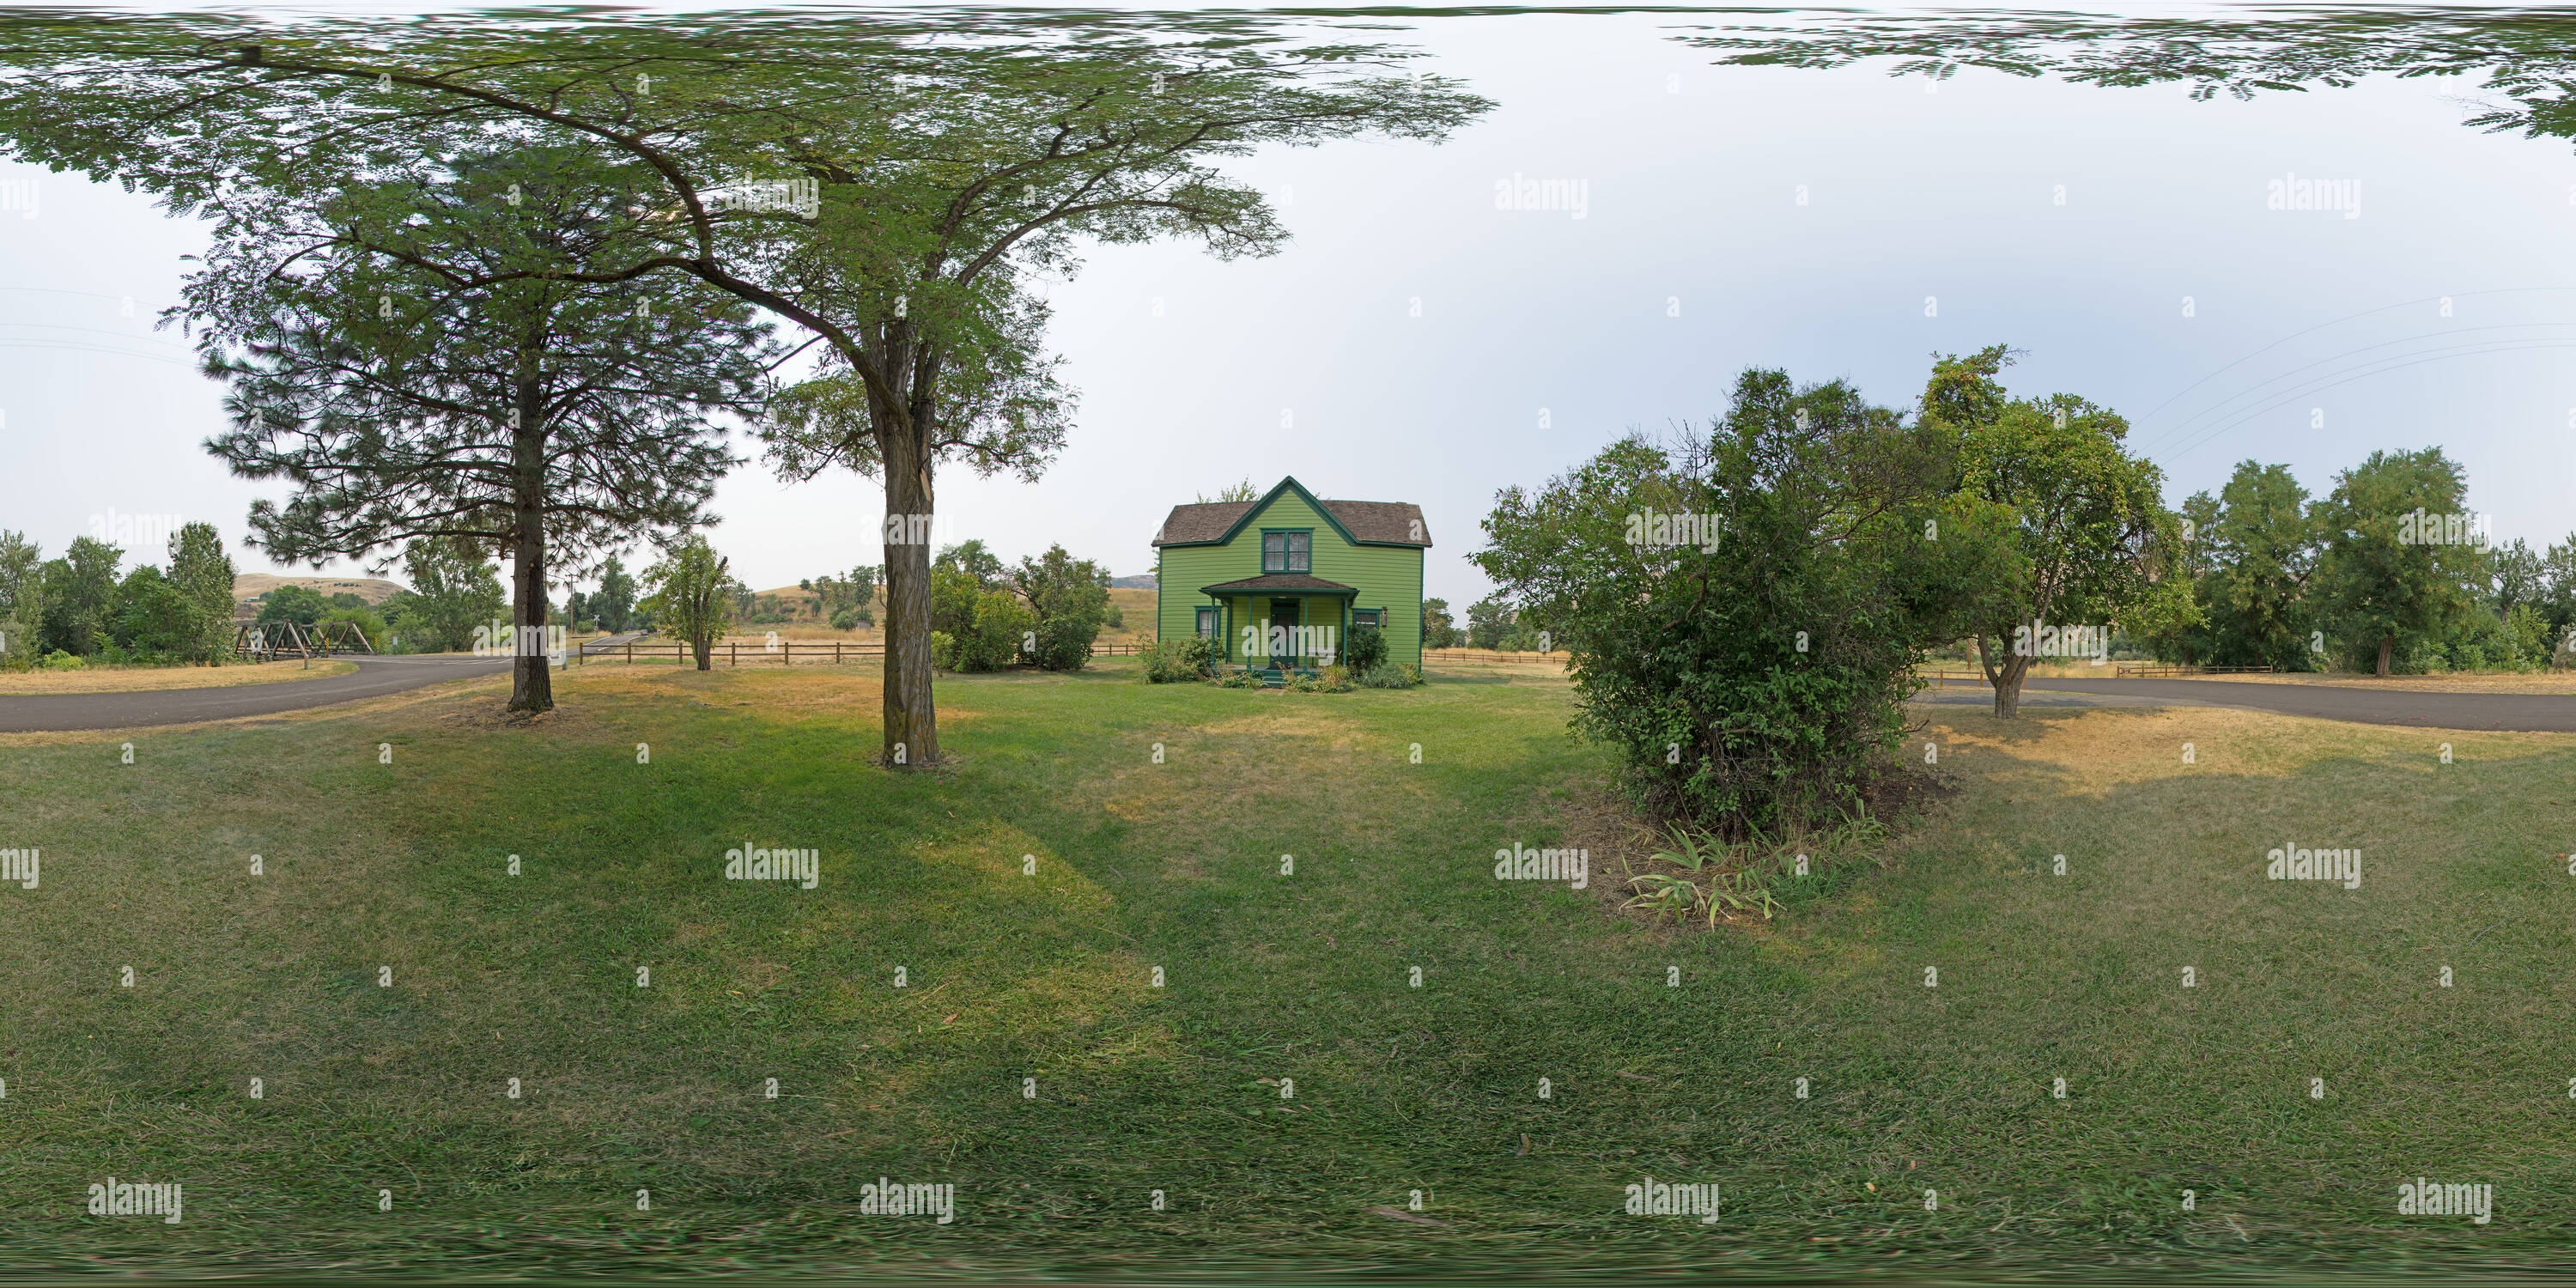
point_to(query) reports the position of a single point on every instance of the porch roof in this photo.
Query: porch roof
(1288, 584)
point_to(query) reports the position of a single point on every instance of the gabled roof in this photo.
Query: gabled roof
(1362, 523)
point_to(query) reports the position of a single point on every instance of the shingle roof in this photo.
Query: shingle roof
(1273, 581)
(1391, 522)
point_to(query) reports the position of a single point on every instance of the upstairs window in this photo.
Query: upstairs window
(1287, 552)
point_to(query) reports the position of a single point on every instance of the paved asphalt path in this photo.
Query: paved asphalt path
(374, 678)
(2524, 712)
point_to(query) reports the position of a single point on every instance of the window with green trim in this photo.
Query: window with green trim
(1287, 552)
(1365, 617)
(1207, 623)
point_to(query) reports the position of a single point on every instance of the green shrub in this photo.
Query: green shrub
(1364, 650)
(1064, 643)
(1683, 658)
(59, 660)
(1001, 624)
(1190, 657)
(851, 619)
(943, 650)
(1238, 679)
(369, 625)
(1331, 679)
(1383, 676)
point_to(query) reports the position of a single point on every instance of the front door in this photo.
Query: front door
(1283, 612)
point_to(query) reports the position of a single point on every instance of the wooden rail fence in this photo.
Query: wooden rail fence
(1487, 655)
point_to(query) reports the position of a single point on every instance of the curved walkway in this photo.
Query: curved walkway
(374, 678)
(2518, 712)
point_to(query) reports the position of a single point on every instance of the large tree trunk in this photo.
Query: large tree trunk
(2006, 678)
(911, 719)
(2387, 646)
(531, 686)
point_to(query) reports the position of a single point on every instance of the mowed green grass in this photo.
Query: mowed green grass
(1176, 864)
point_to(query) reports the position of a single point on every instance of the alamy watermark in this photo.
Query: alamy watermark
(2416, 528)
(2291, 192)
(2039, 639)
(1523, 193)
(892, 1198)
(501, 639)
(135, 531)
(1655, 1198)
(804, 867)
(1289, 641)
(1654, 529)
(775, 196)
(118, 1199)
(1521, 863)
(2291, 863)
(2421, 1197)
(19, 866)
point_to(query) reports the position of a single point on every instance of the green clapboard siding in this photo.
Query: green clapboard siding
(1388, 578)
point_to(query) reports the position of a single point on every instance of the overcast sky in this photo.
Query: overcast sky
(1931, 222)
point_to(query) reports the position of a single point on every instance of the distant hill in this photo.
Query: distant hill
(374, 590)
(1141, 581)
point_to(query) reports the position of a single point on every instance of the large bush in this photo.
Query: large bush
(1365, 649)
(1190, 657)
(991, 638)
(1063, 643)
(1751, 668)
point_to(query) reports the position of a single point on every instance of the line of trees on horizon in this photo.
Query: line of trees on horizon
(2389, 572)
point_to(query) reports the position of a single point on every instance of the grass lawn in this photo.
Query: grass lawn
(1176, 864)
(130, 679)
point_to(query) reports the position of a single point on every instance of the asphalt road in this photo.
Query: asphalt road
(2522, 712)
(374, 678)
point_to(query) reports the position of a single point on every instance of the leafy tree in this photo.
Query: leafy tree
(1437, 630)
(690, 595)
(295, 603)
(150, 620)
(2557, 598)
(1487, 620)
(368, 623)
(1758, 680)
(22, 600)
(1243, 491)
(202, 575)
(2082, 524)
(410, 350)
(2519, 576)
(2380, 588)
(453, 590)
(615, 602)
(972, 559)
(2264, 550)
(79, 596)
(1070, 598)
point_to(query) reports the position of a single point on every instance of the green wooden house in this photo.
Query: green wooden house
(1230, 570)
